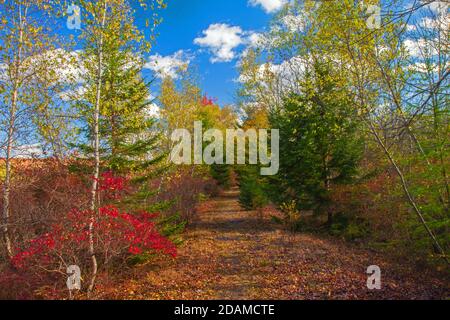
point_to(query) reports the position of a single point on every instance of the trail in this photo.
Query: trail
(230, 254)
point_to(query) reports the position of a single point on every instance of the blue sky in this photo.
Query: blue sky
(214, 58)
(209, 35)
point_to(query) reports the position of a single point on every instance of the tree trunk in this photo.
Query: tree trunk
(10, 141)
(7, 185)
(329, 212)
(330, 218)
(94, 195)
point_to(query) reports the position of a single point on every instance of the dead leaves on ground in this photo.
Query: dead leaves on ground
(229, 254)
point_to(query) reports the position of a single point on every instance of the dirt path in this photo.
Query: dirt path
(229, 254)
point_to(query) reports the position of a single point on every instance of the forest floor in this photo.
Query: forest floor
(229, 254)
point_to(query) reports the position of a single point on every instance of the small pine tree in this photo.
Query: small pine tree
(222, 174)
(319, 141)
(252, 187)
(129, 142)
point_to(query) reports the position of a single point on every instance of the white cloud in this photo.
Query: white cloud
(71, 68)
(439, 7)
(170, 65)
(428, 23)
(274, 81)
(423, 67)
(29, 151)
(153, 111)
(269, 6)
(420, 47)
(413, 47)
(294, 23)
(254, 39)
(222, 40)
(67, 66)
(411, 27)
(3, 71)
(73, 93)
(286, 73)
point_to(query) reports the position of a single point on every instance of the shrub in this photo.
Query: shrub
(291, 218)
(117, 236)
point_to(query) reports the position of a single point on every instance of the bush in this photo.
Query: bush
(118, 235)
(181, 191)
(291, 217)
(375, 211)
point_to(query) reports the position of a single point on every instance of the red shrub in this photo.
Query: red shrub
(117, 235)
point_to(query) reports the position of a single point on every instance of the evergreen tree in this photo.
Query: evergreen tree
(128, 144)
(319, 142)
(253, 187)
(126, 125)
(222, 174)
(131, 144)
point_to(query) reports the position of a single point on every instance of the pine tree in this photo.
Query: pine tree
(127, 139)
(126, 125)
(320, 146)
(109, 33)
(222, 174)
(253, 187)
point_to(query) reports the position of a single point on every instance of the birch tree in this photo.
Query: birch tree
(27, 50)
(107, 26)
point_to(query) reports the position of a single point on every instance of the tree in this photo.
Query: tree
(320, 145)
(254, 188)
(180, 102)
(214, 117)
(28, 60)
(102, 20)
(184, 104)
(375, 64)
(126, 126)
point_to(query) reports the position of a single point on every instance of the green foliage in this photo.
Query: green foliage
(320, 144)
(172, 226)
(222, 174)
(252, 188)
(349, 228)
(129, 143)
(130, 139)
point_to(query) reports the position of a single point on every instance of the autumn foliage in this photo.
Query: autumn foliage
(118, 235)
(208, 101)
(117, 230)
